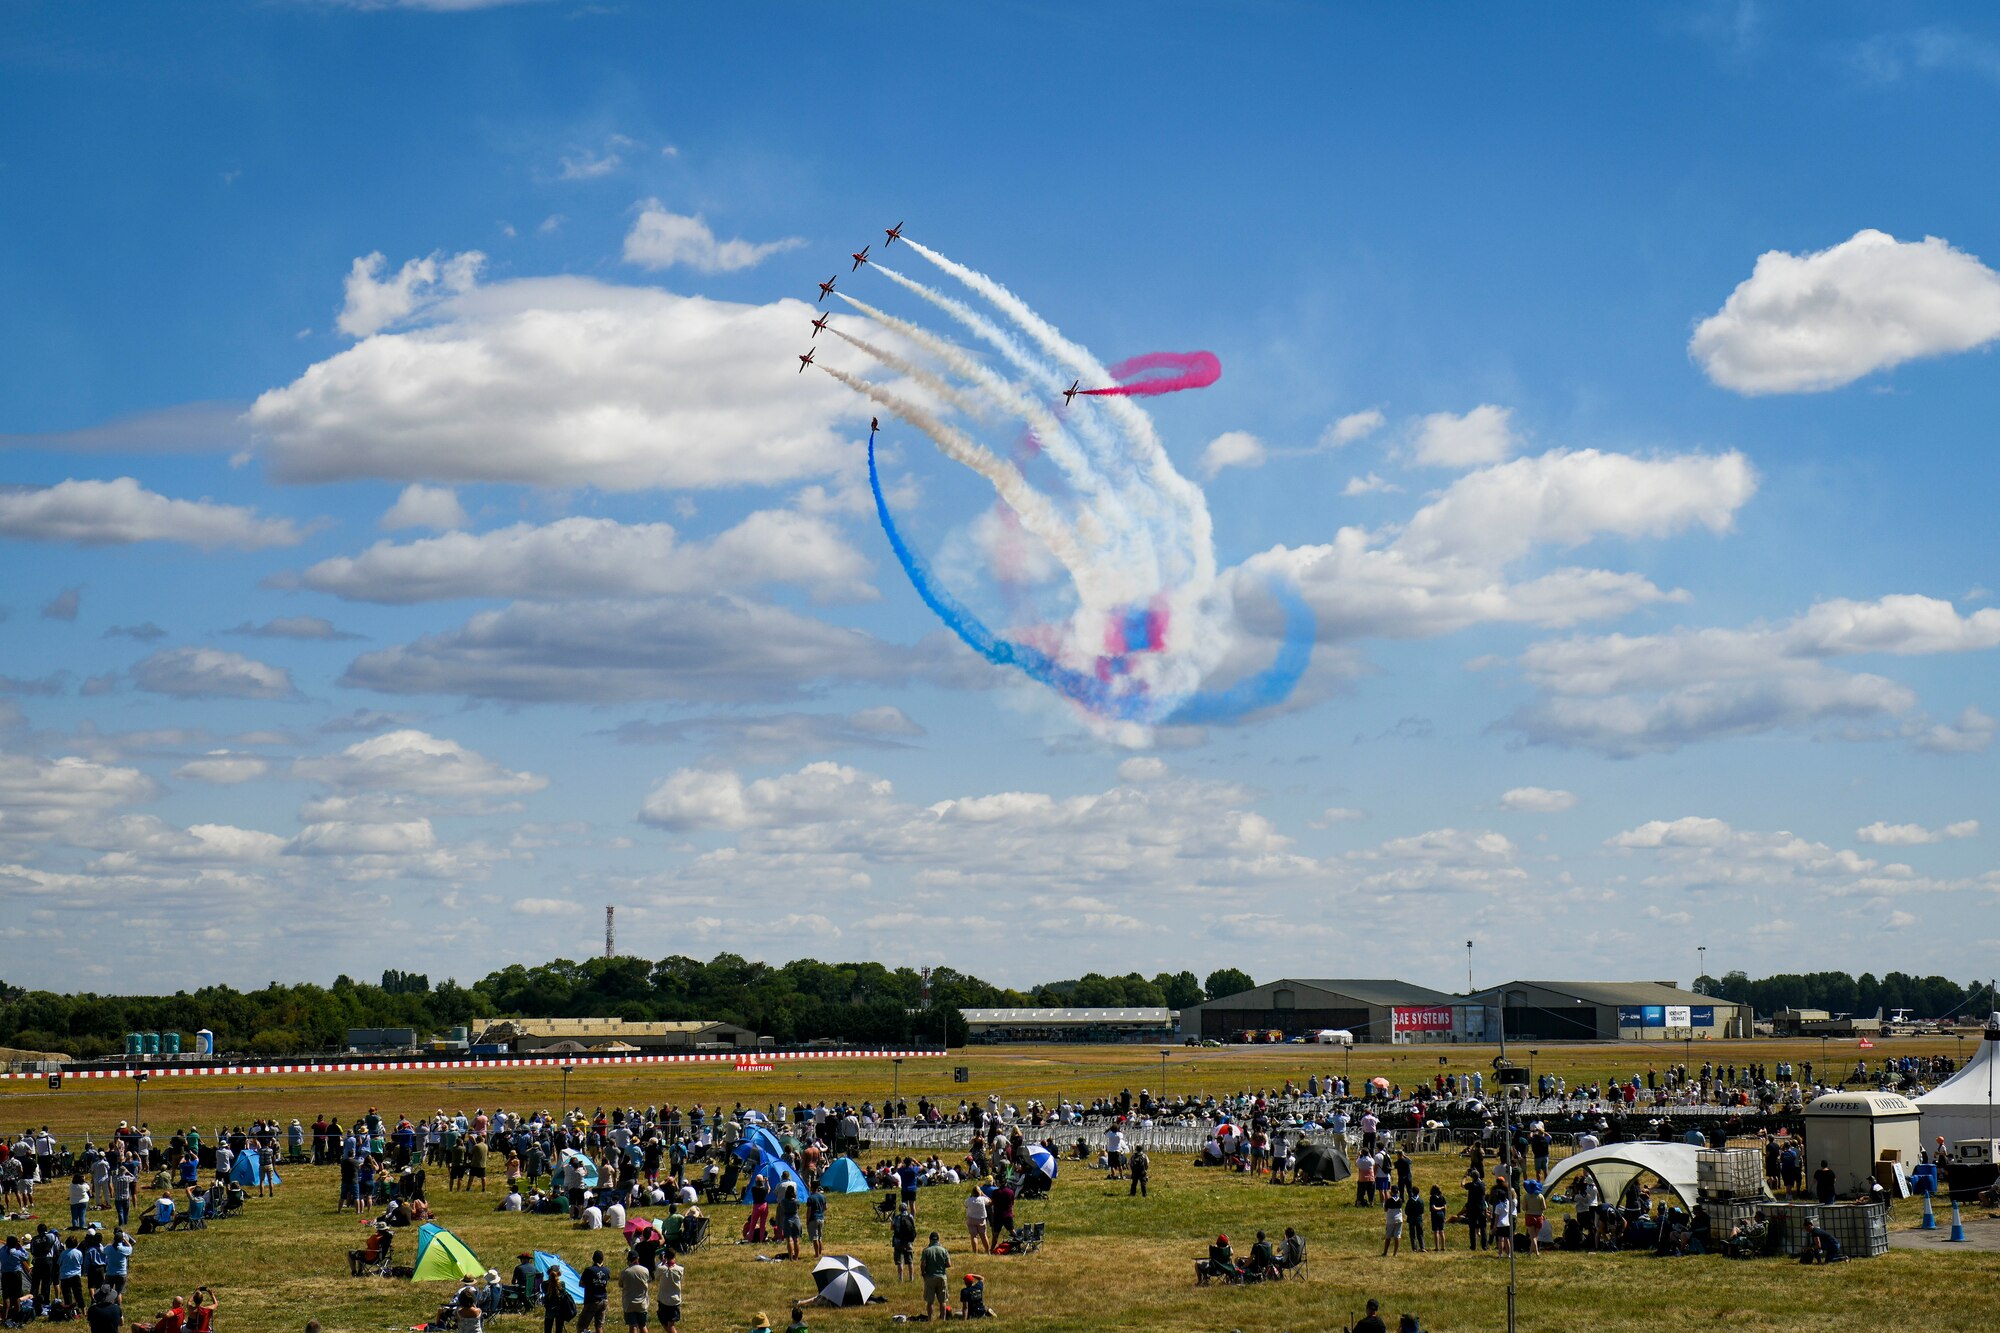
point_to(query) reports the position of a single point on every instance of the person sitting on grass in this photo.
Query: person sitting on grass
(106, 1314)
(798, 1324)
(1820, 1247)
(1291, 1251)
(1371, 1322)
(972, 1298)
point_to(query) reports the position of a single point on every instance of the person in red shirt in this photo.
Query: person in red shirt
(173, 1321)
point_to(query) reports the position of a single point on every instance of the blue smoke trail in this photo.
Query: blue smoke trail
(1268, 686)
(1037, 665)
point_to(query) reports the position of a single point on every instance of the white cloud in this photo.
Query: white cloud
(661, 239)
(1804, 323)
(1538, 800)
(374, 302)
(1236, 448)
(1442, 860)
(364, 839)
(121, 511)
(568, 382)
(1697, 852)
(224, 768)
(1142, 768)
(1912, 835)
(1369, 485)
(1628, 694)
(716, 649)
(546, 907)
(38, 795)
(1351, 428)
(703, 799)
(1565, 498)
(1339, 814)
(306, 628)
(776, 738)
(421, 506)
(415, 761)
(1445, 570)
(1481, 436)
(595, 557)
(210, 673)
(1970, 733)
(587, 164)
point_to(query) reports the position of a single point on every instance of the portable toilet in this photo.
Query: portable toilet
(204, 1042)
(135, 1044)
(1851, 1131)
(170, 1043)
(152, 1043)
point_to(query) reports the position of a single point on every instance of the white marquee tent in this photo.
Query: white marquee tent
(1963, 1106)
(1615, 1165)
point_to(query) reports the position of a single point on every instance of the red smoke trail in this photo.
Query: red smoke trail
(1191, 370)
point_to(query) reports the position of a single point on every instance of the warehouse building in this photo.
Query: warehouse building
(1378, 1011)
(989, 1026)
(1607, 1011)
(611, 1036)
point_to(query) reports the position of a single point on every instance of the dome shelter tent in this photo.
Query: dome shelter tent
(443, 1257)
(844, 1177)
(1963, 1107)
(1616, 1165)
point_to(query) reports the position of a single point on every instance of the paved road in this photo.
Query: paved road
(1981, 1233)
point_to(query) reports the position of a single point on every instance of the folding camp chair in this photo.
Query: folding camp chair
(694, 1234)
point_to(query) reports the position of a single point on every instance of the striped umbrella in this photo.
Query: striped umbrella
(1042, 1160)
(843, 1279)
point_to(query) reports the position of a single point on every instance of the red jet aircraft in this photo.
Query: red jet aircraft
(895, 234)
(826, 288)
(820, 323)
(1070, 392)
(806, 360)
(861, 257)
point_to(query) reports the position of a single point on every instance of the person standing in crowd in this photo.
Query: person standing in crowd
(1826, 1185)
(596, 1280)
(816, 1218)
(1142, 1171)
(635, 1285)
(936, 1268)
(975, 1220)
(671, 1279)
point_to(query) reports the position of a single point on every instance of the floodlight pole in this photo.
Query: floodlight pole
(1701, 970)
(1507, 1152)
(138, 1081)
(565, 1073)
(1163, 1074)
(896, 1081)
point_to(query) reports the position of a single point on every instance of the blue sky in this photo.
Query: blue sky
(1615, 386)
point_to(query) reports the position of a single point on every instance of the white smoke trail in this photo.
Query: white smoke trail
(1037, 515)
(1138, 427)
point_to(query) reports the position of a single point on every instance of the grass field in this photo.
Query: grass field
(1111, 1262)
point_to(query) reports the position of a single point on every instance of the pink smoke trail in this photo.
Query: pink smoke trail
(1195, 370)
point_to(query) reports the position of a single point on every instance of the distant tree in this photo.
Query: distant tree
(1178, 989)
(1228, 981)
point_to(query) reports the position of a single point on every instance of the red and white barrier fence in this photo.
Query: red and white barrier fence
(760, 1060)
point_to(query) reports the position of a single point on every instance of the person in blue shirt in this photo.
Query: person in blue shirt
(816, 1220)
(118, 1260)
(69, 1272)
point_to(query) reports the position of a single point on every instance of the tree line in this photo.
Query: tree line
(1838, 993)
(794, 1002)
(798, 1001)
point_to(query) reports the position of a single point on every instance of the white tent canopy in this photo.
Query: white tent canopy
(1963, 1107)
(1616, 1165)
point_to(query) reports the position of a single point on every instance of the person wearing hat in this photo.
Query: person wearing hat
(635, 1286)
(106, 1314)
(525, 1279)
(490, 1291)
(761, 1323)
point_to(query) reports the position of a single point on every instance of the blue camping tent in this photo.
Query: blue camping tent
(777, 1173)
(589, 1167)
(544, 1261)
(247, 1168)
(763, 1140)
(844, 1177)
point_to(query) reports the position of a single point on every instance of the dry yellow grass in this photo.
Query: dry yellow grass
(1111, 1262)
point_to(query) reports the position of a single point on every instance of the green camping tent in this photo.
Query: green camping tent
(443, 1257)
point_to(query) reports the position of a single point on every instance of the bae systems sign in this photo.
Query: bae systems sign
(1423, 1018)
